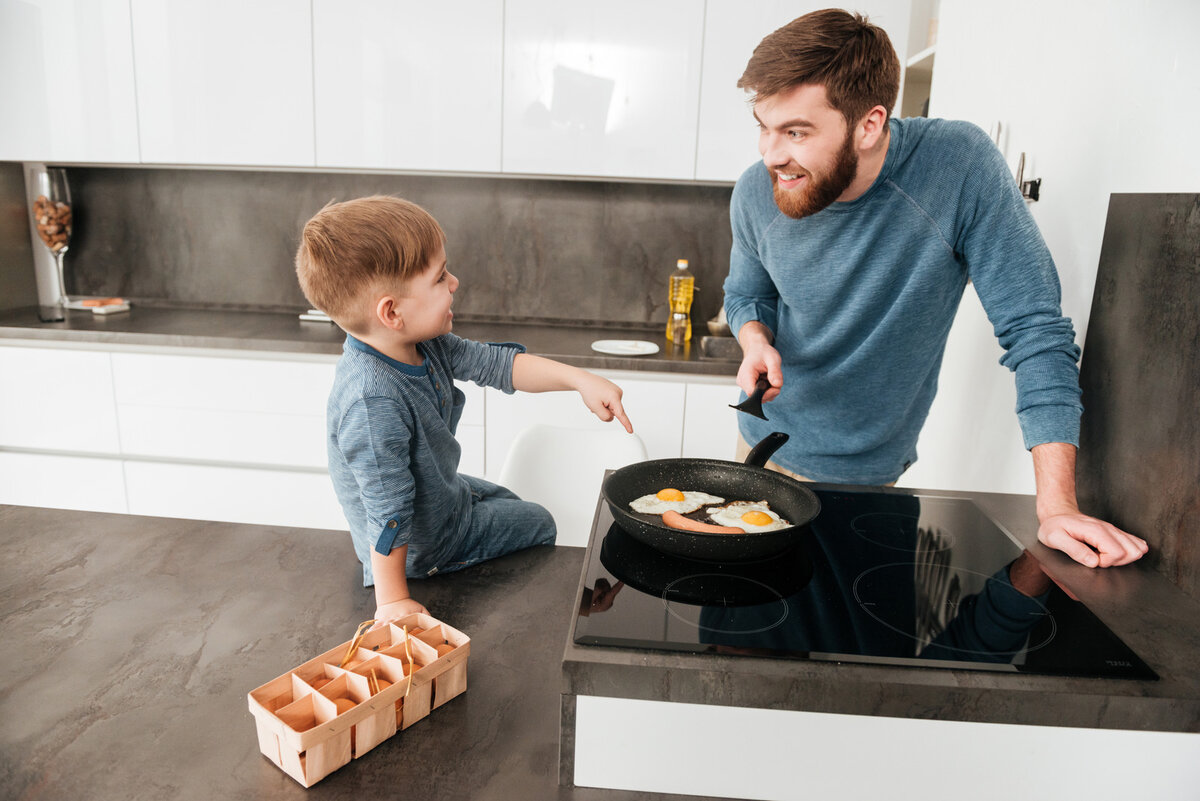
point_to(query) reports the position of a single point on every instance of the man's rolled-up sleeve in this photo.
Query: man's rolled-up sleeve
(1017, 283)
(375, 441)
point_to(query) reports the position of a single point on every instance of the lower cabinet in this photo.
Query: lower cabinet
(89, 484)
(240, 437)
(233, 494)
(674, 416)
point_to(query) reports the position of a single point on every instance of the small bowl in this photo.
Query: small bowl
(719, 328)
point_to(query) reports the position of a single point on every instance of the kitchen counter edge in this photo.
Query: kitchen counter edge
(1157, 620)
(284, 333)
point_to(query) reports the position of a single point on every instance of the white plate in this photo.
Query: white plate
(624, 347)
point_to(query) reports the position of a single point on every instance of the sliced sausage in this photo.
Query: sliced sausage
(676, 520)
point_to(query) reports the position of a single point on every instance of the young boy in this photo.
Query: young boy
(377, 267)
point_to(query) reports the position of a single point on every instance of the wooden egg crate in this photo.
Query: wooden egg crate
(315, 718)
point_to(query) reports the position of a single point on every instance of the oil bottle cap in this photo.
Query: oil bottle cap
(681, 264)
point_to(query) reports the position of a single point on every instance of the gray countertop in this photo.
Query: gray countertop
(284, 332)
(1142, 607)
(130, 644)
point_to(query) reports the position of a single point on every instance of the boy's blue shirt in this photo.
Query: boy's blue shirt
(861, 297)
(392, 453)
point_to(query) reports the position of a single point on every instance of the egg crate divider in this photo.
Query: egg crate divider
(299, 726)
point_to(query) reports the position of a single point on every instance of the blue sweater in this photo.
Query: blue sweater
(392, 452)
(861, 297)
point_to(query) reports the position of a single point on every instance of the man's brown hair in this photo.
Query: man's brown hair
(853, 59)
(346, 247)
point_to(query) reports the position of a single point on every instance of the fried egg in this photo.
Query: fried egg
(750, 516)
(672, 500)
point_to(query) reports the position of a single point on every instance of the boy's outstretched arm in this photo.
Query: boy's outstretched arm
(392, 600)
(536, 374)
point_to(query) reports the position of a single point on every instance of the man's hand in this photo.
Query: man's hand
(599, 599)
(396, 610)
(1091, 541)
(1085, 539)
(759, 358)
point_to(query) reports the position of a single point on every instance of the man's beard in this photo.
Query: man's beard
(822, 189)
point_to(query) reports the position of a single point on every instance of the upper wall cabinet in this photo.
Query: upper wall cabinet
(408, 85)
(66, 81)
(728, 140)
(224, 81)
(602, 89)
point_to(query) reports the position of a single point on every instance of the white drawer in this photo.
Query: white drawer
(57, 400)
(290, 440)
(62, 482)
(219, 383)
(233, 494)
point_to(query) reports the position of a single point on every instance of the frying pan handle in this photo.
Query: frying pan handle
(763, 451)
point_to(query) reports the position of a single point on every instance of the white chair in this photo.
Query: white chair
(563, 468)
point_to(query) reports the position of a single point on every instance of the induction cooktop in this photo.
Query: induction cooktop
(895, 577)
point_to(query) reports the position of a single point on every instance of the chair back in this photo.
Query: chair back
(563, 468)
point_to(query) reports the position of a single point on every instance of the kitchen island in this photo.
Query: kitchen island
(131, 642)
(792, 726)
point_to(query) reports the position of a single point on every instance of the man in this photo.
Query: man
(853, 240)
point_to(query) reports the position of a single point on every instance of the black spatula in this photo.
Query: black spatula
(753, 404)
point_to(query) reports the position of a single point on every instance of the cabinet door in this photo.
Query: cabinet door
(57, 400)
(470, 433)
(62, 482)
(224, 82)
(710, 427)
(66, 82)
(408, 85)
(608, 89)
(233, 494)
(214, 409)
(728, 139)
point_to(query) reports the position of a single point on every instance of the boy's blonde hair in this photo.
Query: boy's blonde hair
(346, 248)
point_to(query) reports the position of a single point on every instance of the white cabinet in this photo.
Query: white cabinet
(233, 494)
(232, 438)
(66, 82)
(609, 89)
(57, 400)
(470, 433)
(728, 139)
(408, 85)
(241, 437)
(709, 426)
(198, 408)
(62, 482)
(224, 82)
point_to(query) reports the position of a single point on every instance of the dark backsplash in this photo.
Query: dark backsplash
(522, 248)
(1139, 455)
(17, 284)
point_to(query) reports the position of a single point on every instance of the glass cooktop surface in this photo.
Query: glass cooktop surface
(887, 578)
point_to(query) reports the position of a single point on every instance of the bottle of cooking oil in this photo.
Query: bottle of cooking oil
(681, 286)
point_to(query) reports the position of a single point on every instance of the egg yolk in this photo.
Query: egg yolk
(756, 518)
(669, 494)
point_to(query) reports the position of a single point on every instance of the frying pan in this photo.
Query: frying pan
(733, 481)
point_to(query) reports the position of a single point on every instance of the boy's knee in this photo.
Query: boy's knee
(545, 526)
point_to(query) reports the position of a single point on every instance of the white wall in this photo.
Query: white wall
(1103, 98)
